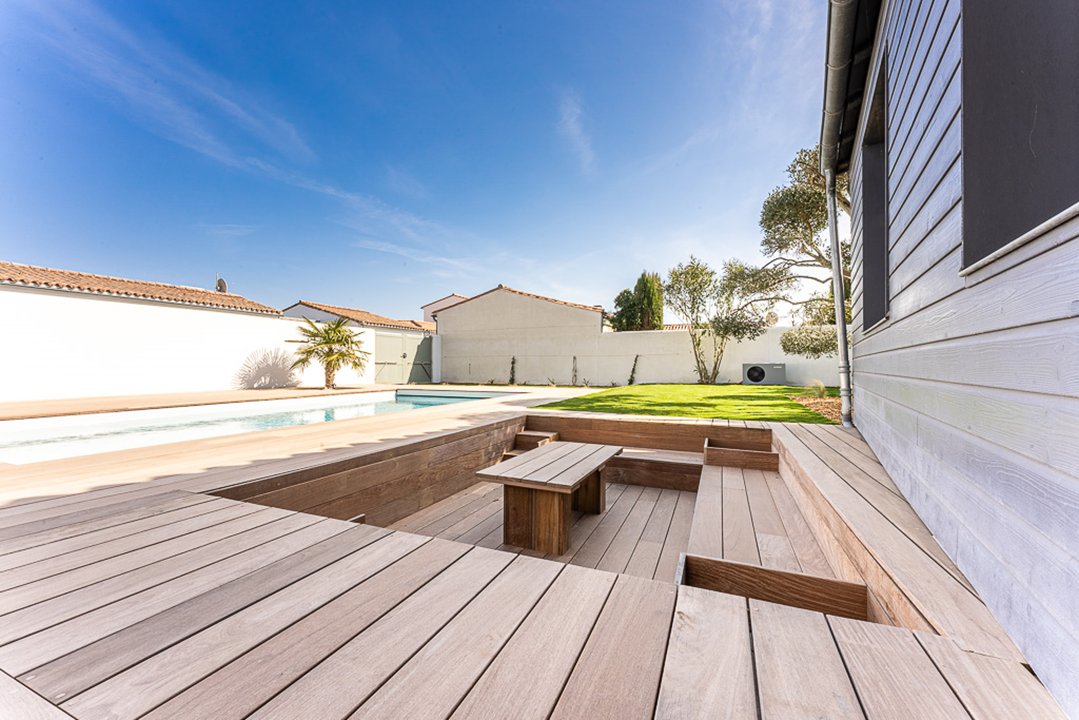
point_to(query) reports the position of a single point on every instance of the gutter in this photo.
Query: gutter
(842, 15)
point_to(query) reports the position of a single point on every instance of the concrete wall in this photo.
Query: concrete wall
(60, 344)
(430, 309)
(969, 390)
(481, 337)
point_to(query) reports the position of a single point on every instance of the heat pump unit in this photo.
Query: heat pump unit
(764, 374)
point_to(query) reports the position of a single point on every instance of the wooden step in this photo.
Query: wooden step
(507, 454)
(739, 457)
(834, 597)
(532, 439)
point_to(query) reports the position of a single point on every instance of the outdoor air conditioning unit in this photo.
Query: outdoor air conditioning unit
(764, 374)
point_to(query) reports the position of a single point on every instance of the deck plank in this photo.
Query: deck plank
(677, 539)
(886, 663)
(617, 675)
(646, 554)
(800, 673)
(990, 688)
(20, 702)
(618, 553)
(170, 526)
(709, 668)
(739, 540)
(341, 682)
(706, 534)
(433, 682)
(810, 556)
(197, 532)
(246, 683)
(544, 649)
(150, 683)
(593, 548)
(49, 630)
(94, 663)
(773, 543)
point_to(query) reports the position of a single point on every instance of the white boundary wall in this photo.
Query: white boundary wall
(480, 338)
(59, 344)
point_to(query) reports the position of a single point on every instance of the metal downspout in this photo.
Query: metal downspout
(840, 303)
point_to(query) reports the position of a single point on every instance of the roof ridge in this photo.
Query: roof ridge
(121, 279)
(41, 276)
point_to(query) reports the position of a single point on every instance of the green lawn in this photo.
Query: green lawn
(734, 402)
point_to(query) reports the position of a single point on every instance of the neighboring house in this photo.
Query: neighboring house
(958, 122)
(70, 334)
(545, 340)
(402, 349)
(434, 306)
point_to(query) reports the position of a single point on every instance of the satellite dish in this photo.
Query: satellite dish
(222, 286)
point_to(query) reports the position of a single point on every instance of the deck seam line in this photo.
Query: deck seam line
(423, 644)
(271, 637)
(226, 617)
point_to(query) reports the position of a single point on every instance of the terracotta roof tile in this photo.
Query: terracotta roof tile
(367, 318)
(43, 277)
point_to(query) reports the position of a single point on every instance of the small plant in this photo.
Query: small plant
(586, 383)
(492, 381)
(633, 370)
(551, 382)
(818, 389)
(513, 370)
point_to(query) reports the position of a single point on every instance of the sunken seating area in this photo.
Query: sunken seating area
(804, 588)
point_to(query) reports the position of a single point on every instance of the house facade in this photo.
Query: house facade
(401, 349)
(957, 122)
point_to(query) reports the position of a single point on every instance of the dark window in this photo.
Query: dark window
(875, 210)
(1020, 118)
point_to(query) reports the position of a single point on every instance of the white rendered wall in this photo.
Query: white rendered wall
(481, 337)
(430, 310)
(60, 344)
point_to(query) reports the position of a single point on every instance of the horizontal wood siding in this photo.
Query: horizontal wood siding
(969, 391)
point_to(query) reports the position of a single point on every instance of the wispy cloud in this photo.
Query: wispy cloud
(226, 230)
(167, 92)
(415, 254)
(571, 126)
(402, 182)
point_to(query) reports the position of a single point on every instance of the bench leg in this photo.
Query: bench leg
(591, 495)
(536, 520)
(516, 516)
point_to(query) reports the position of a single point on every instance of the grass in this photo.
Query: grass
(733, 402)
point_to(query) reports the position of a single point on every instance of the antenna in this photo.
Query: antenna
(222, 286)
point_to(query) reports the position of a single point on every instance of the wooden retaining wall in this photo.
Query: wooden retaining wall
(386, 485)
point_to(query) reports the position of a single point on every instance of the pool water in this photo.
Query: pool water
(39, 439)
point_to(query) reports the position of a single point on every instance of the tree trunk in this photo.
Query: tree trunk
(330, 372)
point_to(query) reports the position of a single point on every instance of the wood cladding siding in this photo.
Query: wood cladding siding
(969, 391)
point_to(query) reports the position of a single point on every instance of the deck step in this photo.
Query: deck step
(741, 458)
(531, 439)
(507, 454)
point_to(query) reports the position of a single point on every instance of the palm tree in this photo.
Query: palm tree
(333, 345)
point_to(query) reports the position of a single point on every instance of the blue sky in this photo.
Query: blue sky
(382, 155)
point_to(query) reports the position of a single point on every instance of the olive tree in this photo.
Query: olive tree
(737, 305)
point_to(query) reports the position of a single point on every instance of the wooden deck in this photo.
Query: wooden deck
(165, 602)
(641, 533)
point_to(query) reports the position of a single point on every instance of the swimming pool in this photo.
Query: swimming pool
(38, 439)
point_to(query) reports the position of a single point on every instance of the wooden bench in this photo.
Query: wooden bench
(542, 487)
